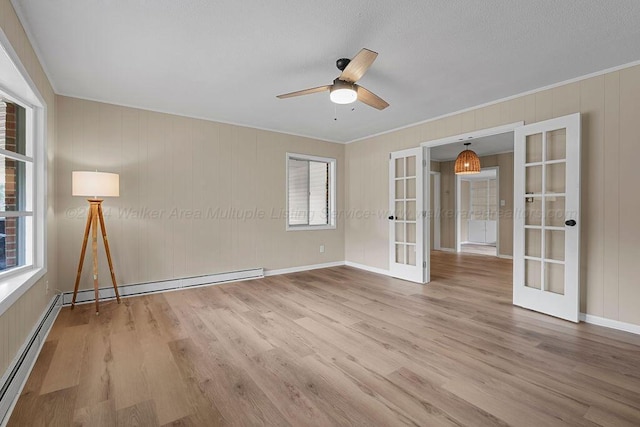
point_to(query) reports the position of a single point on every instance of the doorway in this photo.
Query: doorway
(478, 204)
(484, 225)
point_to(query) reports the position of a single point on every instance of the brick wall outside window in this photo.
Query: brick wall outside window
(8, 141)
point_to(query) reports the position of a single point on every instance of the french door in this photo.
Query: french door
(546, 249)
(406, 219)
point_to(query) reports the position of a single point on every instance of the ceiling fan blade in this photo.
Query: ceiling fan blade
(371, 99)
(358, 66)
(305, 92)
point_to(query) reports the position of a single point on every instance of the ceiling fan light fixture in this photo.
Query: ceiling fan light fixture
(343, 92)
(467, 162)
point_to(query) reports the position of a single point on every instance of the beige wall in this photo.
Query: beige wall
(504, 162)
(610, 107)
(171, 166)
(20, 318)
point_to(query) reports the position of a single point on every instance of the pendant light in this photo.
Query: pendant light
(467, 162)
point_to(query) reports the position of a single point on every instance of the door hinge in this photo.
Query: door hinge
(389, 156)
(424, 163)
(424, 264)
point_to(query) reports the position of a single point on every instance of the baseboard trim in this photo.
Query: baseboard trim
(505, 256)
(368, 268)
(610, 323)
(277, 272)
(14, 379)
(87, 295)
(447, 249)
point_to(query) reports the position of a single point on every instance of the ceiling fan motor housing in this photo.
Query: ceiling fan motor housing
(342, 63)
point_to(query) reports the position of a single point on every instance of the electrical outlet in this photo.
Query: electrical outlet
(503, 202)
(321, 249)
(46, 287)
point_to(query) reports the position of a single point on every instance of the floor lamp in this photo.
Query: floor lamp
(95, 185)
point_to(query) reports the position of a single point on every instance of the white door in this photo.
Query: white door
(406, 250)
(547, 217)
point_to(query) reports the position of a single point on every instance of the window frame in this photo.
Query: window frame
(331, 214)
(15, 282)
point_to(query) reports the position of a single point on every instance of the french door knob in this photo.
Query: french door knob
(570, 223)
(392, 217)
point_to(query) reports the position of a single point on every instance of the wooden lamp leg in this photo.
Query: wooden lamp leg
(106, 248)
(94, 249)
(82, 254)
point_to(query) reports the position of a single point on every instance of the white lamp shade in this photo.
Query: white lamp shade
(95, 184)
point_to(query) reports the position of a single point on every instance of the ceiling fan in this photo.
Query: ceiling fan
(344, 89)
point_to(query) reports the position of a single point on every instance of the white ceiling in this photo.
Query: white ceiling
(485, 146)
(227, 60)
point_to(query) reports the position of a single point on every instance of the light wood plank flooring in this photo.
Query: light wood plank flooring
(336, 346)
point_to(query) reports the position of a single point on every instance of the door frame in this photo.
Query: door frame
(459, 179)
(427, 145)
(436, 176)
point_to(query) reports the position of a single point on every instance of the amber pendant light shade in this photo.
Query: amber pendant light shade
(467, 162)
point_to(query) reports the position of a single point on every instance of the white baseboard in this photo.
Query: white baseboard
(368, 268)
(447, 250)
(610, 323)
(106, 293)
(505, 256)
(302, 268)
(14, 379)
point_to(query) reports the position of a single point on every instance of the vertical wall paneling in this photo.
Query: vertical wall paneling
(611, 229)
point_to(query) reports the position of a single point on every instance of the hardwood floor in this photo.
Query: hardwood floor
(337, 346)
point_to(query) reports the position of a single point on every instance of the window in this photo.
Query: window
(16, 168)
(311, 184)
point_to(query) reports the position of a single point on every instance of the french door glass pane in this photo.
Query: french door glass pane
(399, 168)
(555, 211)
(533, 180)
(532, 274)
(400, 232)
(554, 245)
(555, 177)
(411, 255)
(411, 166)
(557, 144)
(399, 213)
(533, 211)
(411, 188)
(554, 278)
(400, 254)
(411, 211)
(399, 189)
(533, 243)
(411, 232)
(534, 148)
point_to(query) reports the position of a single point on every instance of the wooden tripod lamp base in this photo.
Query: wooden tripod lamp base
(87, 183)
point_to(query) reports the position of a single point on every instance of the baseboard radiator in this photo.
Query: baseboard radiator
(12, 381)
(106, 293)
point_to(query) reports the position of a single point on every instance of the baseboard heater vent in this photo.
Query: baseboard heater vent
(12, 381)
(87, 295)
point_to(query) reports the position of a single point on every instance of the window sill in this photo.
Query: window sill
(310, 227)
(13, 286)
